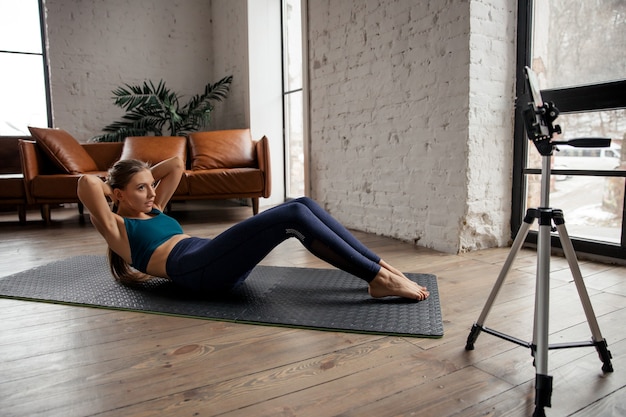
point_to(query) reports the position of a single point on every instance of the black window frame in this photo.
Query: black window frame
(592, 97)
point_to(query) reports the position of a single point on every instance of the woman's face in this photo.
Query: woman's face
(138, 195)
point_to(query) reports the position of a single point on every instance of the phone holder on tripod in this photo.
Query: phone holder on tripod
(539, 120)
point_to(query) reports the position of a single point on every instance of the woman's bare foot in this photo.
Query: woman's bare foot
(396, 271)
(387, 283)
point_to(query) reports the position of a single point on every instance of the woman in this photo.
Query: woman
(138, 233)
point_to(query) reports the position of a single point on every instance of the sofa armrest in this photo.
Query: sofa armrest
(31, 163)
(263, 159)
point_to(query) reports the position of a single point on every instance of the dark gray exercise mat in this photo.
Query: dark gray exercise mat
(326, 299)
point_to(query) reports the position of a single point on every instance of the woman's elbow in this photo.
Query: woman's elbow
(179, 164)
(83, 182)
(176, 165)
(87, 183)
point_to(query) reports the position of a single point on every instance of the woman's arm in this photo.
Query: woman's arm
(93, 193)
(167, 174)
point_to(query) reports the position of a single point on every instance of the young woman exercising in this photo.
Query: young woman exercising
(140, 235)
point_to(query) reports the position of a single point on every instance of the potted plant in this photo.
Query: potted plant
(153, 110)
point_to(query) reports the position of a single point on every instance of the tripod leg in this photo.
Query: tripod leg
(570, 255)
(543, 394)
(543, 382)
(517, 244)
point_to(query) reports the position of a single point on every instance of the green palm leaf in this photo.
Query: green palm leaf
(152, 109)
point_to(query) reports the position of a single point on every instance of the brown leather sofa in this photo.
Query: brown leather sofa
(12, 191)
(222, 164)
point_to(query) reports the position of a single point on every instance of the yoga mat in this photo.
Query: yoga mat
(325, 299)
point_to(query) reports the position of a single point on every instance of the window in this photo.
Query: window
(23, 80)
(293, 99)
(578, 55)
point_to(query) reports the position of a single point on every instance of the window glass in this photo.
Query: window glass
(23, 92)
(576, 43)
(592, 206)
(19, 26)
(293, 44)
(293, 98)
(22, 77)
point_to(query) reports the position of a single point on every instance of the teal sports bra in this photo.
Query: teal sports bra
(145, 235)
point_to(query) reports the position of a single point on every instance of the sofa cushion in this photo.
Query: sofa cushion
(58, 187)
(104, 154)
(65, 151)
(222, 149)
(225, 182)
(154, 149)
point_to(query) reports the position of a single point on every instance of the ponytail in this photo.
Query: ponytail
(123, 272)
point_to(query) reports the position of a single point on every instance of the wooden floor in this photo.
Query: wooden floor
(67, 361)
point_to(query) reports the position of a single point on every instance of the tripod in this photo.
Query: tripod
(546, 216)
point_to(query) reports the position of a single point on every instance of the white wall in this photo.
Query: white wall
(486, 222)
(95, 46)
(401, 119)
(229, 38)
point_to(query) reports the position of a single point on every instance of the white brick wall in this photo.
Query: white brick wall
(229, 38)
(96, 46)
(492, 75)
(411, 118)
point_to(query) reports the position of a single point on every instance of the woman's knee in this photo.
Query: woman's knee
(307, 202)
(297, 210)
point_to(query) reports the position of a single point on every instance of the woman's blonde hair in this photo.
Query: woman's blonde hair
(119, 176)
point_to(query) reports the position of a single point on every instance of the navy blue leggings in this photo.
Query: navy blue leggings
(225, 262)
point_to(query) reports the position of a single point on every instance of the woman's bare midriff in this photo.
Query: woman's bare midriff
(158, 260)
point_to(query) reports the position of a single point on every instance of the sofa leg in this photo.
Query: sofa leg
(81, 213)
(21, 213)
(45, 213)
(255, 206)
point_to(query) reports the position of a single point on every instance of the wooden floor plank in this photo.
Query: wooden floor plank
(613, 404)
(250, 390)
(173, 364)
(398, 394)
